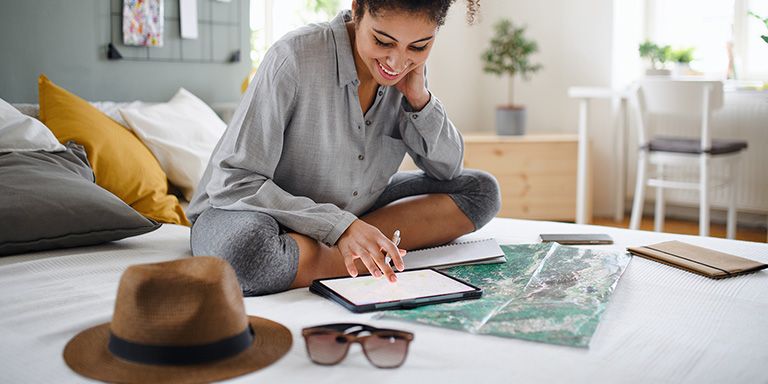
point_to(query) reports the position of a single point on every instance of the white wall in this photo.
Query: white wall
(454, 69)
(575, 47)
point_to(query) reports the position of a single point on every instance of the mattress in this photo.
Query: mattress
(662, 324)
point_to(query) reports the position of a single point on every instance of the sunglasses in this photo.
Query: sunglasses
(384, 348)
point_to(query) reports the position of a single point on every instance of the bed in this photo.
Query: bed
(662, 324)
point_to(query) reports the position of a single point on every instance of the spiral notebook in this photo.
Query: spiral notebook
(484, 251)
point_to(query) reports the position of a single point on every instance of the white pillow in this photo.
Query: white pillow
(181, 134)
(19, 132)
(112, 109)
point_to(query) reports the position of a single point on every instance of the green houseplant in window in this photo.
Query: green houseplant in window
(509, 54)
(657, 57)
(765, 21)
(682, 58)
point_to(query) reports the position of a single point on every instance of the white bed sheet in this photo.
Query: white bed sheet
(662, 324)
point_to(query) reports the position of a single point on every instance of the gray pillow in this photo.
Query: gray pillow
(49, 200)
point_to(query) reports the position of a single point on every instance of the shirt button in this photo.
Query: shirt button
(359, 126)
(360, 157)
(381, 93)
(415, 115)
(368, 122)
(354, 193)
(327, 244)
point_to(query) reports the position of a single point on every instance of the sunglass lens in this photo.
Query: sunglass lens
(386, 351)
(326, 348)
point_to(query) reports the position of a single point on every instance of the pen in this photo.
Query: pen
(396, 237)
(396, 240)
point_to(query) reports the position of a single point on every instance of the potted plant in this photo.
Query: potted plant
(682, 58)
(765, 21)
(657, 56)
(508, 55)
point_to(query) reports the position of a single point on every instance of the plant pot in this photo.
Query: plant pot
(657, 72)
(510, 120)
(682, 69)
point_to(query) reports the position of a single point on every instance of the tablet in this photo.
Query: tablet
(577, 238)
(413, 288)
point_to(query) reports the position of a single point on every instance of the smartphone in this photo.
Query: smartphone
(577, 238)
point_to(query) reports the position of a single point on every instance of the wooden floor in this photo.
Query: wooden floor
(687, 228)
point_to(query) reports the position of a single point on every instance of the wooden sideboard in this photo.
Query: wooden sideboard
(536, 173)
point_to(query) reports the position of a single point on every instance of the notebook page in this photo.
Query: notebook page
(465, 252)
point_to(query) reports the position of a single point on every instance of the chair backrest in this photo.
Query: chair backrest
(683, 98)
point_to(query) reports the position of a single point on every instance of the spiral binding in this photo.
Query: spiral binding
(453, 244)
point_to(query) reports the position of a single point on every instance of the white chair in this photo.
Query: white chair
(692, 99)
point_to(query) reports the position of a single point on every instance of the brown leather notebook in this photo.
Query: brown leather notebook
(703, 261)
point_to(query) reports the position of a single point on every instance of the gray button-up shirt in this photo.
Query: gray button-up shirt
(300, 149)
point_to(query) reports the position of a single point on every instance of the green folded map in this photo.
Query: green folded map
(545, 292)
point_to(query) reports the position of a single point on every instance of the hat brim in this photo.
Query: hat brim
(87, 354)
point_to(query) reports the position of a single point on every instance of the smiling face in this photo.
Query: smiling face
(392, 43)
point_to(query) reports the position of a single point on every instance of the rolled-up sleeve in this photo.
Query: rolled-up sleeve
(243, 165)
(433, 142)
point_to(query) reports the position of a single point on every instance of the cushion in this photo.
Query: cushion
(19, 132)
(112, 109)
(32, 110)
(122, 164)
(687, 145)
(109, 108)
(49, 200)
(181, 133)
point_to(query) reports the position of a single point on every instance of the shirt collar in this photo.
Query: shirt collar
(345, 62)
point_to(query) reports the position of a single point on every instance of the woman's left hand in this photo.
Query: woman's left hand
(414, 87)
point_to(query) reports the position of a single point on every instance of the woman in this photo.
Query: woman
(304, 182)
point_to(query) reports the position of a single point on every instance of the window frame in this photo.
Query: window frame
(744, 69)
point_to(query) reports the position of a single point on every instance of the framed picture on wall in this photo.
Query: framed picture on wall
(143, 23)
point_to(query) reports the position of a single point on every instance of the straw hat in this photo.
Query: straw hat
(180, 321)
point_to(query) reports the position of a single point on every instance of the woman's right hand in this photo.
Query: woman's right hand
(365, 242)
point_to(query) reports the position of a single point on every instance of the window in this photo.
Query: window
(271, 19)
(720, 31)
(753, 51)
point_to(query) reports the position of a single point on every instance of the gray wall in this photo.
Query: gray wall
(66, 40)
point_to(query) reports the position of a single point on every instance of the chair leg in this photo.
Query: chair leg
(733, 188)
(658, 215)
(704, 195)
(637, 204)
(730, 230)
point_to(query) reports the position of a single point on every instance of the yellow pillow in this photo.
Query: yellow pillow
(122, 164)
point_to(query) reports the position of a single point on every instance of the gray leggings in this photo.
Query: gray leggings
(266, 259)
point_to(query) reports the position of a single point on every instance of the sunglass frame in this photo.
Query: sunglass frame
(340, 329)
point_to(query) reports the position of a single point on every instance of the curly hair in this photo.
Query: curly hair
(435, 10)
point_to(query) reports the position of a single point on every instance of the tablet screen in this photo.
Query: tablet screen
(410, 285)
